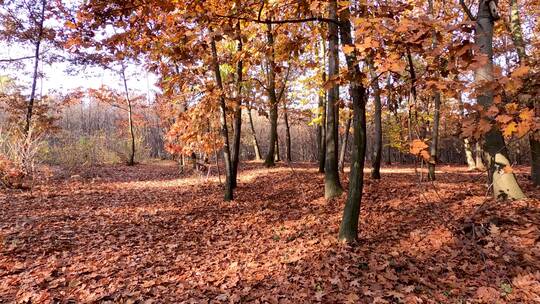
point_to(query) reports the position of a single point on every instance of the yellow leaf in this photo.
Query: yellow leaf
(418, 146)
(526, 114)
(521, 71)
(348, 49)
(510, 129)
(511, 107)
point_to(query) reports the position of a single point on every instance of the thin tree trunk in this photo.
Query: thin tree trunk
(504, 184)
(237, 113)
(322, 130)
(332, 185)
(377, 147)
(287, 133)
(30, 108)
(278, 155)
(479, 157)
(433, 149)
(437, 113)
(471, 164)
(344, 145)
(256, 147)
(228, 196)
(270, 58)
(348, 230)
(131, 160)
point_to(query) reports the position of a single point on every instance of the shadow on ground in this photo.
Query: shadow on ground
(142, 233)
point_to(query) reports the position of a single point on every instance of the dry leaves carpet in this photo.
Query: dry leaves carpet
(145, 235)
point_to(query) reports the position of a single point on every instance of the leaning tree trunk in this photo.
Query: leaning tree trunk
(377, 147)
(237, 113)
(519, 43)
(223, 121)
(272, 97)
(30, 107)
(332, 185)
(344, 145)
(504, 183)
(348, 230)
(256, 146)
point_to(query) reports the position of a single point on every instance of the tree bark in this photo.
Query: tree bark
(228, 196)
(322, 130)
(471, 164)
(504, 184)
(344, 145)
(272, 98)
(436, 115)
(278, 155)
(519, 43)
(348, 230)
(377, 147)
(237, 113)
(131, 160)
(332, 185)
(287, 133)
(433, 149)
(256, 146)
(30, 108)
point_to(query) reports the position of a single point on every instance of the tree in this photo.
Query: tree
(348, 230)
(23, 22)
(223, 120)
(377, 149)
(519, 43)
(332, 185)
(437, 112)
(504, 182)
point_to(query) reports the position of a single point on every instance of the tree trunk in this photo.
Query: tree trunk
(332, 185)
(228, 196)
(131, 160)
(287, 133)
(504, 184)
(237, 113)
(278, 155)
(30, 108)
(321, 131)
(535, 160)
(377, 147)
(479, 157)
(348, 230)
(466, 142)
(256, 147)
(519, 43)
(436, 115)
(272, 98)
(433, 149)
(344, 145)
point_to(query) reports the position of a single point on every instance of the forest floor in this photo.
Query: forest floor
(116, 234)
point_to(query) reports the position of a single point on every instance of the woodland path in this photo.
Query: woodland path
(120, 234)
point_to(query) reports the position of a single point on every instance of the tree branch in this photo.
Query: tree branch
(310, 19)
(467, 10)
(15, 59)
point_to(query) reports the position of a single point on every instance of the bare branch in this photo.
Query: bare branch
(467, 10)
